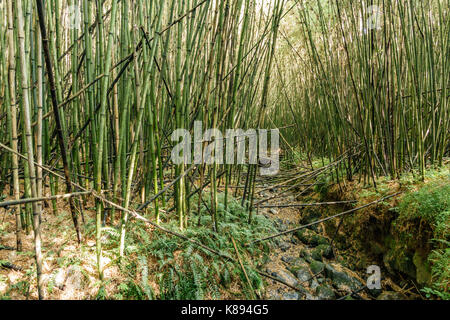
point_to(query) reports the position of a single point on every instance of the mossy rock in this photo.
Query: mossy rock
(322, 251)
(341, 279)
(309, 237)
(317, 266)
(305, 254)
(325, 292)
(302, 273)
(310, 215)
(298, 262)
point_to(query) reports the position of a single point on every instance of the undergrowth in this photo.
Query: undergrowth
(431, 203)
(187, 271)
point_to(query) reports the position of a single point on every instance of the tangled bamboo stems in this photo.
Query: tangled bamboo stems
(95, 90)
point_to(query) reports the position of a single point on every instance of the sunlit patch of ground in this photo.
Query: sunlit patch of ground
(69, 269)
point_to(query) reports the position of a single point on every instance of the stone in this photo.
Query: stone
(75, 278)
(273, 211)
(322, 250)
(59, 278)
(287, 277)
(341, 279)
(304, 235)
(288, 259)
(284, 246)
(272, 295)
(290, 296)
(305, 254)
(301, 272)
(317, 266)
(298, 262)
(325, 292)
(391, 295)
(294, 240)
(280, 225)
(310, 215)
(314, 284)
(310, 237)
(309, 296)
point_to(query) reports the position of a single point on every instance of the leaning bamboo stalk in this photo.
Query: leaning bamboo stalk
(9, 203)
(59, 128)
(293, 205)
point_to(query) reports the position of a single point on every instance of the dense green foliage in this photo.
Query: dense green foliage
(186, 271)
(432, 204)
(367, 78)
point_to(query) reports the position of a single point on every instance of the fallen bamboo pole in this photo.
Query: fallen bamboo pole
(306, 204)
(9, 203)
(242, 266)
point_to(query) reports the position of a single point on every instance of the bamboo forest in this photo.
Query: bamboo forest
(225, 150)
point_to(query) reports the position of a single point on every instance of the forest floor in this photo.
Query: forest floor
(69, 269)
(319, 261)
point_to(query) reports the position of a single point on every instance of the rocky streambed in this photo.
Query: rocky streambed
(308, 260)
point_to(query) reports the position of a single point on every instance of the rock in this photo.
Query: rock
(272, 295)
(310, 215)
(284, 246)
(288, 259)
(273, 211)
(75, 278)
(280, 225)
(325, 292)
(290, 296)
(294, 240)
(59, 279)
(314, 284)
(310, 237)
(317, 228)
(391, 295)
(309, 296)
(322, 250)
(304, 235)
(293, 260)
(301, 272)
(305, 254)
(287, 277)
(341, 279)
(317, 266)
(298, 262)
(375, 292)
